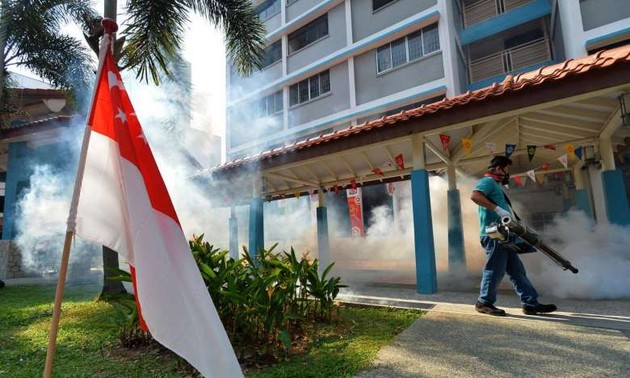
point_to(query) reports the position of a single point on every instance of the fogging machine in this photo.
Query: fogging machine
(507, 227)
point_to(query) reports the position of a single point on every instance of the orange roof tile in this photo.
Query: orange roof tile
(511, 83)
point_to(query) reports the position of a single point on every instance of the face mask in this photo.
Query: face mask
(506, 179)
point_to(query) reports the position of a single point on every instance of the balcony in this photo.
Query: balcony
(511, 60)
(478, 11)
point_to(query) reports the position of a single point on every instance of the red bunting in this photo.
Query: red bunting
(445, 139)
(378, 171)
(518, 180)
(353, 184)
(336, 187)
(545, 166)
(400, 161)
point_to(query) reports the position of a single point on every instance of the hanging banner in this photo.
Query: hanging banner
(509, 149)
(445, 139)
(564, 160)
(353, 183)
(518, 180)
(578, 152)
(467, 143)
(400, 162)
(570, 150)
(550, 146)
(531, 151)
(545, 166)
(355, 210)
(491, 147)
(532, 175)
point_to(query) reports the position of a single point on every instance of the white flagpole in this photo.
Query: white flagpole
(110, 28)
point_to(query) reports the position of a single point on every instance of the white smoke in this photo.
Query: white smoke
(599, 251)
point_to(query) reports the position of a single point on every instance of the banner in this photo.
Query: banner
(491, 147)
(509, 149)
(531, 151)
(532, 175)
(467, 143)
(400, 162)
(355, 210)
(445, 139)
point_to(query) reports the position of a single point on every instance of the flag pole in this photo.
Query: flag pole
(110, 27)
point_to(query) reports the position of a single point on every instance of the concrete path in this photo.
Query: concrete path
(585, 338)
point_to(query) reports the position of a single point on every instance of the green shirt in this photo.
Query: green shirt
(492, 190)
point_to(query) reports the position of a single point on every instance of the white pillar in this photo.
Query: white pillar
(572, 28)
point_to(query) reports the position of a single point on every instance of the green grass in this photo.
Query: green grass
(87, 343)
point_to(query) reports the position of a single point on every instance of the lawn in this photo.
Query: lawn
(88, 346)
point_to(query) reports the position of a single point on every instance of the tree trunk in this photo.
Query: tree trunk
(110, 257)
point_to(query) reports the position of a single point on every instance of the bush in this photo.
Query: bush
(263, 302)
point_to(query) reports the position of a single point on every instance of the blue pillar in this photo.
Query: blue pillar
(582, 202)
(456, 253)
(323, 243)
(17, 177)
(426, 277)
(615, 197)
(233, 234)
(256, 231)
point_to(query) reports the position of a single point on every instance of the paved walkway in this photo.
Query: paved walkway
(584, 338)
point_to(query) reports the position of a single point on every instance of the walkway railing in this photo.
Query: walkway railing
(475, 12)
(510, 60)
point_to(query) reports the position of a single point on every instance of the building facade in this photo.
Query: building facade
(334, 63)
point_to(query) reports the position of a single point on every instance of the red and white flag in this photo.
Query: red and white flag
(121, 202)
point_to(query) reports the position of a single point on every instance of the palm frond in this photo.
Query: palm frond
(244, 33)
(154, 33)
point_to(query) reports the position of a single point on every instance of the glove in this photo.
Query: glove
(502, 212)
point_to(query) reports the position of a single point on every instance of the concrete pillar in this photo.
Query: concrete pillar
(456, 252)
(233, 234)
(426, 276)
(323, 242)
(16, 180)
(615, 198)
(582, 195)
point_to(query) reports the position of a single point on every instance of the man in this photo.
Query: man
(502, 257)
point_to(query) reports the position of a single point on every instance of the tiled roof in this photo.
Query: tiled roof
(511, 83)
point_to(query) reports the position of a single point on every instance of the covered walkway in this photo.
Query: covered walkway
(569, 112)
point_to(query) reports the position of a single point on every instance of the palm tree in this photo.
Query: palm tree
(152, 41)
(30, 37)
(154, 30)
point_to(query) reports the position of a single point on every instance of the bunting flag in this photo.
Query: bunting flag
(570, 149)
(531, 151)
(491, 147)
(550, 146)
(540, 177)
(353, 184)
(297, 194)
(378, 171)
(509, 149)
(518, 180)
(445, 139)
(390, 188)
(336, 189)
(578, 152)
(467, 143)
(545, 166)
(400, 162)
(121, 201)
(564, 160)
(532, 175)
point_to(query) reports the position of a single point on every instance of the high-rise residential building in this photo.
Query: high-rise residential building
(335, 63)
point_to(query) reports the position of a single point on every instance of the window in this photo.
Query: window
(270, 105)
(273, 53)
(268, 9)
(308, 34)
(378, 4)
(407, 49)
(310, 88)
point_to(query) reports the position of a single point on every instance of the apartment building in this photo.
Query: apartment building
(335, 63)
